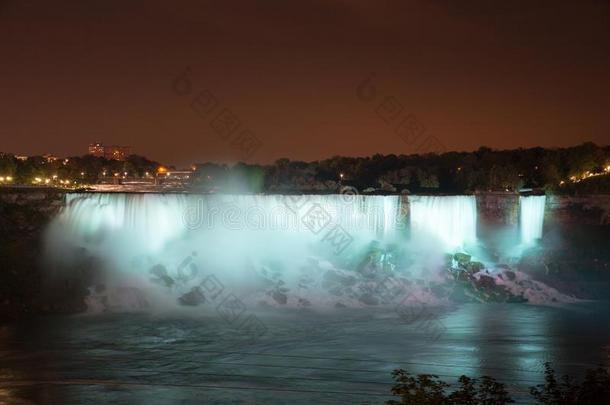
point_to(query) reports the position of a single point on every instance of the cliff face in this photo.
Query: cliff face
(498, 208)
(579, 210)
(24, 215)
(503, 209)
(573, 254)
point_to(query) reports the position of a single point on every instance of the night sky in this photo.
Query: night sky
(502, 74)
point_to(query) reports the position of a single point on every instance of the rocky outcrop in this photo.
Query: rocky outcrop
(24, 215)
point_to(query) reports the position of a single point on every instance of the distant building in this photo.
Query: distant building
(96, 149)
(174, 178)
(114, 152)
(50, 158)
(21, 157)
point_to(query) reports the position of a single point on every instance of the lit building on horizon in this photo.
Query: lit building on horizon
(114, 152)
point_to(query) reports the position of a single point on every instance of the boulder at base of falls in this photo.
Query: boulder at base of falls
(479, 287)
(368, 299)
(160, 276)
(279, 297)
(461, 258)
(474, 267)
(334, 278)
(510, 275)
(486, 282)
(304, 302)
(192, 298)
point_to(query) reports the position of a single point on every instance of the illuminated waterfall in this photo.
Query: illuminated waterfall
(450, 219)
(531, 218)
(136, 244)
(121, 226)
(168, 251)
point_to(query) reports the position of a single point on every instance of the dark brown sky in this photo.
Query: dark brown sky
(502, 74)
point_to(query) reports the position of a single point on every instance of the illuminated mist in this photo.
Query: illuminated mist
(153, 250)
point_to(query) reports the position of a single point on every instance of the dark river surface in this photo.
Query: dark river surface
(341, 358)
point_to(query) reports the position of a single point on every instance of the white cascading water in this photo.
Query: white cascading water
(531, 218)
(452, 220)
(229, 230)
(235, 236)
(153, 220)
(161, 251)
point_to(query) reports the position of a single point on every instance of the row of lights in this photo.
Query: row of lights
(39, 180)
(587, 174)
(116, 174)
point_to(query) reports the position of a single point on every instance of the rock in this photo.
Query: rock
(517, 299)
(474, 267)
(304, 303)
(486, 282)
(462, 258)
(160, 272)
(193, 297)
(279, 297)
(368, 299)
(333, 277)
(510, 275)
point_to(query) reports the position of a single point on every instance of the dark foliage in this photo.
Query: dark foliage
(80, 170)
(554, 170)
(428, 389)
(595, 389)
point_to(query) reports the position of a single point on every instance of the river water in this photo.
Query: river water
(341, 357)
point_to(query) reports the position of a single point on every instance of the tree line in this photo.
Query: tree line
(580, 169)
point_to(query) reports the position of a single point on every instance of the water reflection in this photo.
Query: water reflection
(328, 359)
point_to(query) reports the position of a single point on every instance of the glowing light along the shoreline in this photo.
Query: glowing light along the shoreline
(588, 174)
(531, 218)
